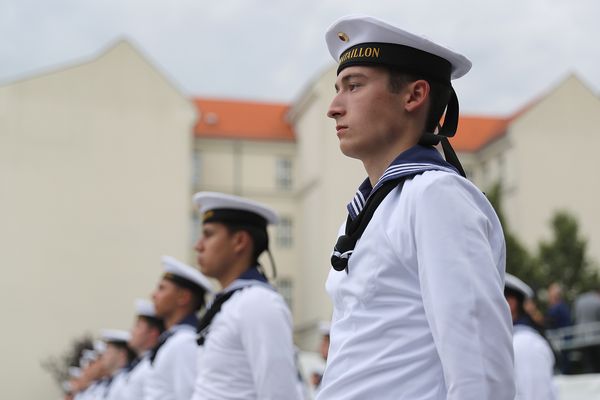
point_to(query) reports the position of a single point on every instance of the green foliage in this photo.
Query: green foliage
(562, 259)
(58, 366)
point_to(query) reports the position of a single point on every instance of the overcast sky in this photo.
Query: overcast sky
(269, 50)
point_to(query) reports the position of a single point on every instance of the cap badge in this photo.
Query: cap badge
(343, 37)
(208, 215)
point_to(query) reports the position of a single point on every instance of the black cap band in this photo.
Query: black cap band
(404, 58)
(234, 217)
(184, 283)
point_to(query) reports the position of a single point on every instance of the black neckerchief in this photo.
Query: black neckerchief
(189, 320)
(203, 327)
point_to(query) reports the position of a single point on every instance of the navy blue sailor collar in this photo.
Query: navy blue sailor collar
(523, 321)
(190, 319)
(252, 276)
(413, 161)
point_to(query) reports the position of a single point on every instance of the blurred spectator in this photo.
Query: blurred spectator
(534, 312)
(587, 307)
(558, 316)
(587, 311)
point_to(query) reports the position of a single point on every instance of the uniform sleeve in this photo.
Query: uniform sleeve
(159, 377)
(183, 371)
(266, 334)
(460, 252)
(174, 370)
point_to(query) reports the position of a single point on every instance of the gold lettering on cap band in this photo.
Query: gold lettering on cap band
(364, 52)
(207, 215)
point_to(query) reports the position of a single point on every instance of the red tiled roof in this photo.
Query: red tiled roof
(475, 132)
(235, 119)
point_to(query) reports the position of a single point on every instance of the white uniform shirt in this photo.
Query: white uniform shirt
(421, 314)
(117, 384)
(135, 382)
(172, 374)
(534, 365)
(248, 353)
(96, 390)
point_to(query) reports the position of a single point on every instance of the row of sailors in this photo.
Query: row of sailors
(240, 348)
(119, 364)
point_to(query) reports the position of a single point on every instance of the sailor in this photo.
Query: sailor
(534, 359)
(246, 335)
(179, 296)
(71, 385)
(94, 377)
(418, 268)
(116, 359)
(145, 332)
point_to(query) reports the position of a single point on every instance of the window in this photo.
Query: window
(196, 168)
(284, 232)
(283, 171)
(501, 170)
(285, 287)
(196, 228)
(485, 172)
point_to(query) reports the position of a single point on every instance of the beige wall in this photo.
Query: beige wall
(94, 181)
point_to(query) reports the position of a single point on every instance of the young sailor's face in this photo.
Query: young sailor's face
(368, 115)
(110, 357)
(139, 335)
(164, 298)
(215, 250)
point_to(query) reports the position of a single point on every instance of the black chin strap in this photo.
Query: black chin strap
(272, 264)
(444, 132)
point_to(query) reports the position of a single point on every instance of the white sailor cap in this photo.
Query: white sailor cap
(99, 347)
(364, 40)
(87, 356)
(514, 283)
(145, 308)
(324, 327)
(185, 275)
(115, 336)
(66, 386)
(74, 372)
(226, 208)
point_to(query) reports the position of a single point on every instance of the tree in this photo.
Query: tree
(58, 366)
(564, 258)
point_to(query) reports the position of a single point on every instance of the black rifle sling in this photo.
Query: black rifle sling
(355, 227)
(161, 340)
(210, 314)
